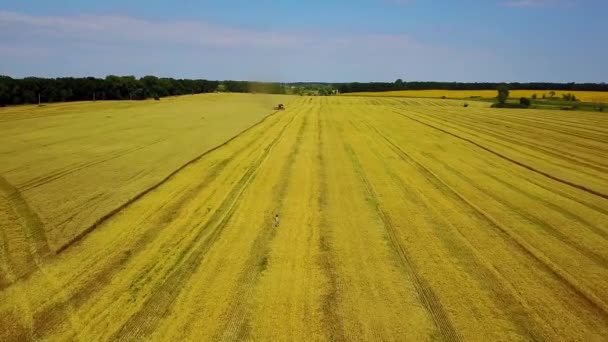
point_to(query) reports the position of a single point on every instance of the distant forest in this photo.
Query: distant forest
(45, 90)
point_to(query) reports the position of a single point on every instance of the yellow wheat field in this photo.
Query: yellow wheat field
(400, 219)
(75, 162)
(585, 96)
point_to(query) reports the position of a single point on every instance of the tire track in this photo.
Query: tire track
(32, 228)
(597, 258)
(52, 315)
(546, 123)
(330, 303)
(542, 151)
(424, 291)
(596, 303)
(113, 212)
(556, 136)
(142, 323)
(7, 277)
(486, 275)
(562, 210)
(562, 193)
(542, 173)
(237, 325)
(58, 174)
(460, 125)
(104, 276)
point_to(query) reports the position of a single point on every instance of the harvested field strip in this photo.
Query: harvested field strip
(400, 219)
(425, 292)
(567, 169)
(127, 147)
(561, 275)
(136, 197)
(462, 253)
(550, 148)
(592, 147)
(578, 186)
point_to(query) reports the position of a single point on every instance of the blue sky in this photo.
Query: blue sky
(357, 40)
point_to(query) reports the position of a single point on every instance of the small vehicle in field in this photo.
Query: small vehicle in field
(279, 107)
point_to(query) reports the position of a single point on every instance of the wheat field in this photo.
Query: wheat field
(400, 219)
(585, 96)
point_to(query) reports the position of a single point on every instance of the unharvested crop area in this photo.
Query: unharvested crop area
(400, 219)
(586, 96)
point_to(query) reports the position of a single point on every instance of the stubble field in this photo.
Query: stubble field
(400, 219)
(585, 96)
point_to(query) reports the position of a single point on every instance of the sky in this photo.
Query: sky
(330, 40)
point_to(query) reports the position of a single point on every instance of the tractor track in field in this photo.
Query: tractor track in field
(57, 174)
(104, 275)
(562, 210)
(564, 127)
(7, 276)
(502, 141)
(502, 156)
(559, 136)
(116, 210)
(599, 259)
(518, 242)
(581, 141)
(463, 125)
(330, 302)
(474, 264)
(236, 326)
(54, 312)
(556, 125)
(525, 123)
(424, 291)
(158, 304)
(561, 193)
(460, 125)
(31, 230)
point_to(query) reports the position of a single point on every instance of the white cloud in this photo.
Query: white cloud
(99, 45)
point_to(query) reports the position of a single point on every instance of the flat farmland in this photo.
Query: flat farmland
(68, 165)
(400, 219)
(586, 96)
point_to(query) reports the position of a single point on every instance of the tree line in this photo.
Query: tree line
(43, 90)
(401, 85)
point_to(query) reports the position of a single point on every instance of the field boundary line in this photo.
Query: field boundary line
(565, 277)
(334, 323)
(103, 277)
(480, 268)
(141, 323)
(116, 210)
(424, 290)
(556, 156)
(531, 217)
(33, 228)
(542, 173)
(237, 325)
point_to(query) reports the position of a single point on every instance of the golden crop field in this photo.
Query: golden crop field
(400, 219)
(74, 163)
(585, 96)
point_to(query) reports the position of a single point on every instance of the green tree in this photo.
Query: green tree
(399, 84)
(503, 94)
